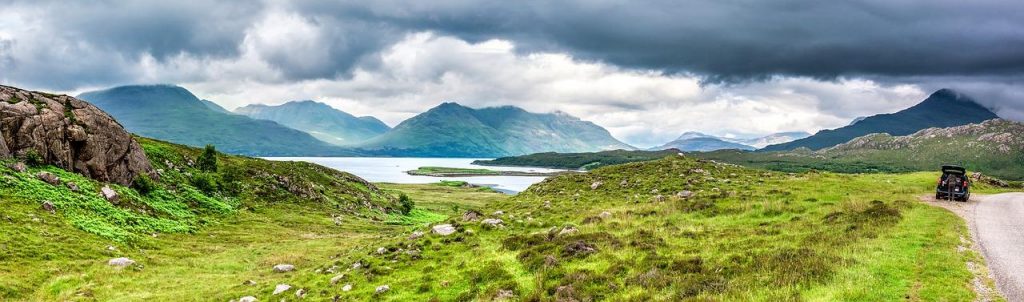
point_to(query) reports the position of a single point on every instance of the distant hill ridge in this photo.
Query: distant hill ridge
(174, 114)
(453, 130)
(943, 108)
(320, 120)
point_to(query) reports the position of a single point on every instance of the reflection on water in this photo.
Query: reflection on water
(392, 169)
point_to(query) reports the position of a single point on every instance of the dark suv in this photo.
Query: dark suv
(953, 184)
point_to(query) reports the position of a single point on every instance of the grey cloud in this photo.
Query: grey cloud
(737, 40)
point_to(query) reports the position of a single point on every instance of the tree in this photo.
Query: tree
(208, 160)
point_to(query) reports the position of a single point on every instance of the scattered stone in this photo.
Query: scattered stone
(49, 178)
(336, 279)
(381, 251)
(504, 294)
(357, 265)
(684, 194)
(283, 268)
(569, 230)
(383, 288)
(48, 206)
(623, 183)
(247, 299)
(498, 213)
(18, 167)
(416, 235)
(659, 198)
(654, 191)
(491, 222)
(72, 186)
(120, 262)
(301, 293)
(109, 194)
(605, 215)
(280, 288)
(471, 215)
(249, 282)
(547, 204)
(346, 288)
(337, 220)
(732, 174)
(443, 229)
(579, 248)
(596, 184)
(111, 248)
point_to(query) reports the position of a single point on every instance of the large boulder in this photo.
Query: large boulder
(69, 133)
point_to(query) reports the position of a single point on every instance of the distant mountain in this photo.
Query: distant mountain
(213, 106)
(453, 130)
(696, 141)
(944, 108)
(993, 147)
(693, 141)
(776, 138)
(174, 114)
(320, 120)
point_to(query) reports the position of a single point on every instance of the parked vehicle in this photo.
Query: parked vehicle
(953, 184)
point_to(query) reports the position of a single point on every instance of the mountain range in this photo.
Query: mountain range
(172, 113)
(696, 141)
(320, 120)
(943, 108)
(453, 130)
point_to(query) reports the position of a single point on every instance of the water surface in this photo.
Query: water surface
(392, 169)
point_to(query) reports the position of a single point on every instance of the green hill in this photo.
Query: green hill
(944, 108)
(320, 120)
(174, 114)
(453, 130)
(994, 147)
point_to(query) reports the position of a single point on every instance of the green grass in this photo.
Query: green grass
(745, 235)
(760, 236)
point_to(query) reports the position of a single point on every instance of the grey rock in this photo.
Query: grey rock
(283, 268)
(109, 194)
(443, 229)
(72, 186)
(605, 215)
(69, 133)
(471, 215)
(48, 206)
(120, 262)
(247, 299)
(382, 289)
(336, 279)
(280, 288)
(595, 185)
(249, 282)
(18, 166)
(498, 213)
(684, 194)
(301, 293)
(49, 178)
(381, 251)
(569, 230)
(491, 222)
(416, 235)
(346, 288)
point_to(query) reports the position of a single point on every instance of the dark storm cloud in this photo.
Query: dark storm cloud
(736, 40)
(728, 41)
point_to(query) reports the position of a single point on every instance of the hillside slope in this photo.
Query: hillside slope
(943, 108)
(174, 114)
(319, 120)
(994, 147)
(453, 130)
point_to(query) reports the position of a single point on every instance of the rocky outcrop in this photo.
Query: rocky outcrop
(69, 133)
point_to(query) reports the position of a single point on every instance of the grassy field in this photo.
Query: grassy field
(665, 230)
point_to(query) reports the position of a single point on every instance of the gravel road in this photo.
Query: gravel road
(997, 225)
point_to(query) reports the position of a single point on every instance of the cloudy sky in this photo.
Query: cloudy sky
(646, 70)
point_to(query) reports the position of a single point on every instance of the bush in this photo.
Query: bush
(205, 182)
(143, 184)
(208, 160)
(32, 158)
(405, 203)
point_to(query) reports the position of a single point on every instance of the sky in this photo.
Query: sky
(645, 70)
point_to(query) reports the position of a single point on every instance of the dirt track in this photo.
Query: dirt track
(997, 225)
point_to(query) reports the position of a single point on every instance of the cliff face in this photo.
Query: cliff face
(69, 133)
